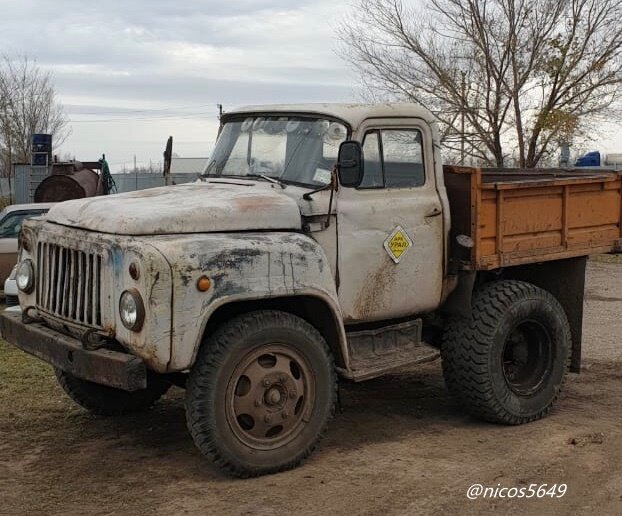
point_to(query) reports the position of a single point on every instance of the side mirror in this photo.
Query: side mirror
(350, 164)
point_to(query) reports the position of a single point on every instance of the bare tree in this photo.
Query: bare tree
(28, 105)
(506, 79)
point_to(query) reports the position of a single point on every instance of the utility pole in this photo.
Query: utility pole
(219, 106)
(168, 158)
(462, 128)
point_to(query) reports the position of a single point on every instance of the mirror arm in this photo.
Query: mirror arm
(333, 187)
(333, 175)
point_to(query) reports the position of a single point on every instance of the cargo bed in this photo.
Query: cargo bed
(519, 216)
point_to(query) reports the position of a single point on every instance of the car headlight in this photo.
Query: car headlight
(25, 276)
(132, 310)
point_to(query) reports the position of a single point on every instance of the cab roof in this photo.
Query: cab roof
(352, 114)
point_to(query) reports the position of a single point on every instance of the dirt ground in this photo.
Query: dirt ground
(400, 446)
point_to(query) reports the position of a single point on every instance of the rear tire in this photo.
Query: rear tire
(261, 393)
(507, 362)
(108, 401)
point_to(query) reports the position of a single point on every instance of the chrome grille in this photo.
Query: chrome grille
(69, 283)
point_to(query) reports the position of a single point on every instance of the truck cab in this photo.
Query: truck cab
(319, 244)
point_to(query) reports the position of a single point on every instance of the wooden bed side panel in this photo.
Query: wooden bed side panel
(530, 223)
(543, 217)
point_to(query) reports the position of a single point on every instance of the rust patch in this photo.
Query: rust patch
(246, 203)
(375, 292)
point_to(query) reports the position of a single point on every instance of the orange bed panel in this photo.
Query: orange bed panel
(523, 216)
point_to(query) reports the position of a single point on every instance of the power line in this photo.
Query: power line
(142, 110)
(139, 119)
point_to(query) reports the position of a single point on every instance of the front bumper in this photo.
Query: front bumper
(103, 366)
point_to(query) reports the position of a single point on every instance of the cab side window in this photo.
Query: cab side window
(393, 159)
(402, 154)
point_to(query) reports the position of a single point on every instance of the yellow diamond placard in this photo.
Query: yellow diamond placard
(398, 243)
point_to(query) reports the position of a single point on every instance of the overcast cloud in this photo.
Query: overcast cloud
(131, 73)
(133, 61)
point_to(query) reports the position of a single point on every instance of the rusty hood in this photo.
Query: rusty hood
(199, 207)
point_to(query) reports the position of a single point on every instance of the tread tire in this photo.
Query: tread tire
(205, 392)
(102, 400)
(472, 352)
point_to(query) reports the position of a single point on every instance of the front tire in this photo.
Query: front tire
(261, 393)
(102, 400)
(507, 362)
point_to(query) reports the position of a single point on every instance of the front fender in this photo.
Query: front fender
(241, 267)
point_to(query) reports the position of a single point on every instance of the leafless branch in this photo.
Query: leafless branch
(28, 105)
(504, 78)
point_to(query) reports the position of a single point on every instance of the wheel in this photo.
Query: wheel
(507, 363)
(108, 401)
(261, 393)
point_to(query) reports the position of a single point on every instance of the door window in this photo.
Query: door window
(393, 159)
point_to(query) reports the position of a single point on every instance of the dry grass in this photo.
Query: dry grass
(607, 258)
(25, 382)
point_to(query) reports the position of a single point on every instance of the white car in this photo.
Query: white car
(11, 219)
(10, 289)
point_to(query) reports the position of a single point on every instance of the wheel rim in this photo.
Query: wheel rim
(527, 357)
(270, 396)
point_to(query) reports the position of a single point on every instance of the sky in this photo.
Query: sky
(131, 73)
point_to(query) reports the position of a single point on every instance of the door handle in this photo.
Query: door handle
(434, 213)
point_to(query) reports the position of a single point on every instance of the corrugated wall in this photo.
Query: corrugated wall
(132, 182)
(27, 179)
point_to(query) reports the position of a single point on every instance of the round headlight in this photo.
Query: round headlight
(132, 310)
(25, 276)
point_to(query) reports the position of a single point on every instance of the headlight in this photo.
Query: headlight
(25, 276)
(132, 310)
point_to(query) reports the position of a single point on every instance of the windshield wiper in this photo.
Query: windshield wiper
(268, 178)
(208, 169)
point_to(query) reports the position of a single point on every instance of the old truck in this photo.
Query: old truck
(323, 242)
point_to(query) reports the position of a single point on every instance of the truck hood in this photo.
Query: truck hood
(199, 207)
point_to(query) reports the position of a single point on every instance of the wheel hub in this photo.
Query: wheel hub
(270, 396)
(527, 357)
(273, 396)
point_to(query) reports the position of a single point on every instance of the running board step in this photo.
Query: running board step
(379, 351)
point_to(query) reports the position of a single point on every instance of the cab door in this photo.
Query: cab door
(390, 228)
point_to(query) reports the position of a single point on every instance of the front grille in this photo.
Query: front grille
(69, 283)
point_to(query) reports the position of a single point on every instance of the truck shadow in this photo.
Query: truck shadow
(380, 410)
(393, 407)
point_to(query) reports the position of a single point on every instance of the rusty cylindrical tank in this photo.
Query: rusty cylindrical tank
(65, 186)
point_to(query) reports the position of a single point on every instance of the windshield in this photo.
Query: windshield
(288, 148)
